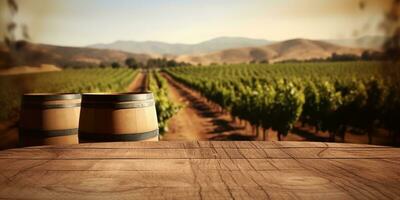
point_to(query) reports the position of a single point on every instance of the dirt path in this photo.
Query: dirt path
(198, 120)
(139, 83)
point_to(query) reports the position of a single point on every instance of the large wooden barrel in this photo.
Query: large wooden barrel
(118, 117)
(49, 119)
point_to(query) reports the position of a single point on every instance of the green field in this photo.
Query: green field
(331, 96)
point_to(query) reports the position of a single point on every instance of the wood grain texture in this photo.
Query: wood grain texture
(201, 170)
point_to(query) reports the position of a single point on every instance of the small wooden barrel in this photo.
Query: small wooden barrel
(49, 119)
(118, 117)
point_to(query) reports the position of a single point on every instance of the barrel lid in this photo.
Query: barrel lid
(117, 97)
(50, 96)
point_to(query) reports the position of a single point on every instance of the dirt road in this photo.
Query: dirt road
(198, 120)
(139, 83)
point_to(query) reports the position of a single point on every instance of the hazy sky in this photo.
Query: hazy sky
(84, 22)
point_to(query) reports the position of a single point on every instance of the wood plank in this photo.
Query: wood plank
(352, 145)
(201, 170)
(234, 153)
(304, 153)
(214, 183)
(125, 145)
(264, 145)
(206, 144)
(224, 184)
(287, 144)
(97, 165)
(98, 184)
(318, 153)
(276, 153)
(261, 164)
(244, 144)
(223, 144)
(286, 164)
(365, 179)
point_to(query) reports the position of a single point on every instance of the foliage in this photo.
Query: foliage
(163, 62)
(131, 63)
(115, 65)
(332, 96)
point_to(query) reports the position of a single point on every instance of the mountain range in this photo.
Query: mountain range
(162, 48)
(32, 54)
(222, 43)
(295, 49)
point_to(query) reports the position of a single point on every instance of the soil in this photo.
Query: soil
(139, 83)
(199, 119)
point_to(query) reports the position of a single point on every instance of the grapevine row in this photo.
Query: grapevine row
(164, 106)
(332, 97)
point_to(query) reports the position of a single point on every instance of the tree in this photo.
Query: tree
(131, 63)
(371, 55)
(103, 65)
(172, 63)
(115, 65)
(344, 57)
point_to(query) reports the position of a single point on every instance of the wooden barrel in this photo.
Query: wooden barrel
(118, 117)
(49, 119)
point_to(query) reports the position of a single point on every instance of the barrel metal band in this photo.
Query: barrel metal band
(50, 106)
(47, 133)
(118, 137)
(50, 97)
(121, 105)
(118, 97)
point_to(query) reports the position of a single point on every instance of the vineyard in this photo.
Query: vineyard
(336, 98)
(79, 81)
(333, 97)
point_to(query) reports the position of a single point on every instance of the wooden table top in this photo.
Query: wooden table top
(201, 170)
